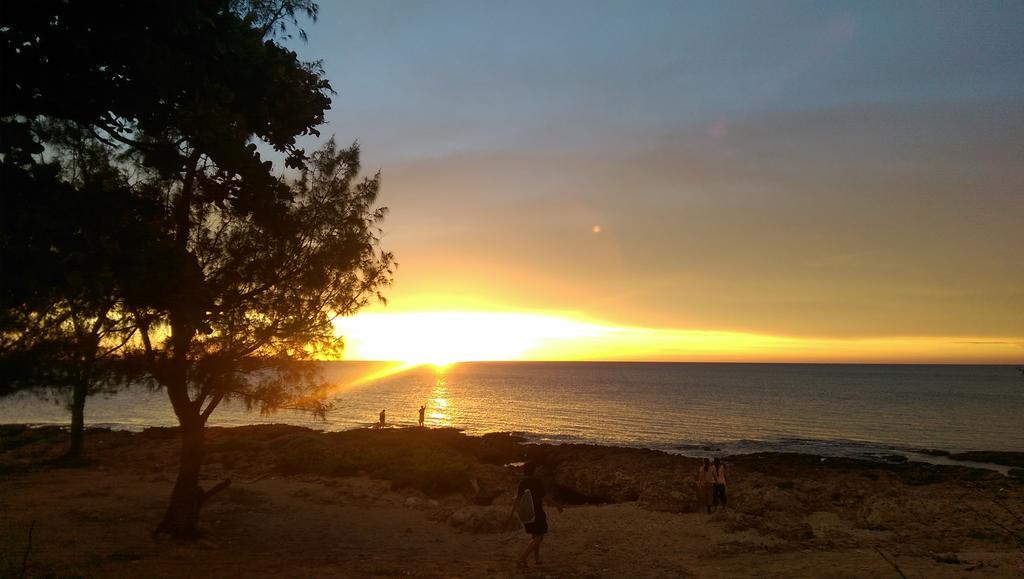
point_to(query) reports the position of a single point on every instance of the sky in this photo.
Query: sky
(712, 181)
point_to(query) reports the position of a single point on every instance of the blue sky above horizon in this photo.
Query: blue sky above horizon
(833, 169)
(466, 75)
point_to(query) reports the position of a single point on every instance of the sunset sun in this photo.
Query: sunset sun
(443, 338)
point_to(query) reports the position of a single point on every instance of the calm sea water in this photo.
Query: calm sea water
(830, 409)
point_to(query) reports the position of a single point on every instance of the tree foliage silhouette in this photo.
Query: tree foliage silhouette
(244, 269)
(263, 297)
(63, 321)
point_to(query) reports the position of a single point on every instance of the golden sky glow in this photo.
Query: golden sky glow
(442, 338)
(690, 181)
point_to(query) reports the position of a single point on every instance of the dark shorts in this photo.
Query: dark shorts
(719, 494)
(539, 526)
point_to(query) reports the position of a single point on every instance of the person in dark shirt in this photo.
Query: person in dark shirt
(423, 410)
(539, 527)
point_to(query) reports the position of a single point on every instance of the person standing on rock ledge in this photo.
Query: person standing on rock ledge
(719, 488)
(383, 418)
(539, 526)
(423, 410)
(705, 484)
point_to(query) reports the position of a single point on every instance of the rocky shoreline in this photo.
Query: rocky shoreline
(944, 518)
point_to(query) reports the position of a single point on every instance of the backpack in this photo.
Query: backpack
(524, 507)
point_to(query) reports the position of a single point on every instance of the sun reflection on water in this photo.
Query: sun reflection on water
(440, 413)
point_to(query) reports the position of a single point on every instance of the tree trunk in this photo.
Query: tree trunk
(78, 392)
(182, 518)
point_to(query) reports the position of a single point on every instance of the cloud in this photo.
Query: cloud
(851, 221)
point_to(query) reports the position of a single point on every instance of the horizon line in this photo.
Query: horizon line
(751, 362)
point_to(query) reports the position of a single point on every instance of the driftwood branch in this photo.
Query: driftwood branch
(998, 503)
(28, 549)
(891, 562)
(988, 518)
(1011, 532)
(216, 489)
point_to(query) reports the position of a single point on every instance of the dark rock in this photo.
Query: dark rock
(599, 483)
(596, 474)
(160, 432)
(499, 448)
(879, 512)
(1015, 459)
(892, 458)
(17, 435)
(932, 452)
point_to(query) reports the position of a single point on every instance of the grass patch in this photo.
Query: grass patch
(16, 436)
(435, 475)
(300, 455)
(431, 461)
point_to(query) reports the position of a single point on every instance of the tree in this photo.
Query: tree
(245, 268)
(269, 294)
(69, 351)
(62, 320)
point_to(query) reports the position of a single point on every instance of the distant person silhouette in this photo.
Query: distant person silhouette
(705, 484)
(383, 418)
(423, 409)
(719, 492)
(539, 526)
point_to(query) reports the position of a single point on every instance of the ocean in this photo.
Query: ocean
(687, 408)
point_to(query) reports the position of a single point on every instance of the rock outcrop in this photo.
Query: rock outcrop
(596, 474)
(478, 519)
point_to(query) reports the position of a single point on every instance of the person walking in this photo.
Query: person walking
(719, 490)
(538, 527)
(705, 484)
(383, 418)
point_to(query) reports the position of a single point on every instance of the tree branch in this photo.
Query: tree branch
(120, 345)
(212, 406)
(147, 346)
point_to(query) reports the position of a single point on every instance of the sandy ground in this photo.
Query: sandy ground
(95, 520)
